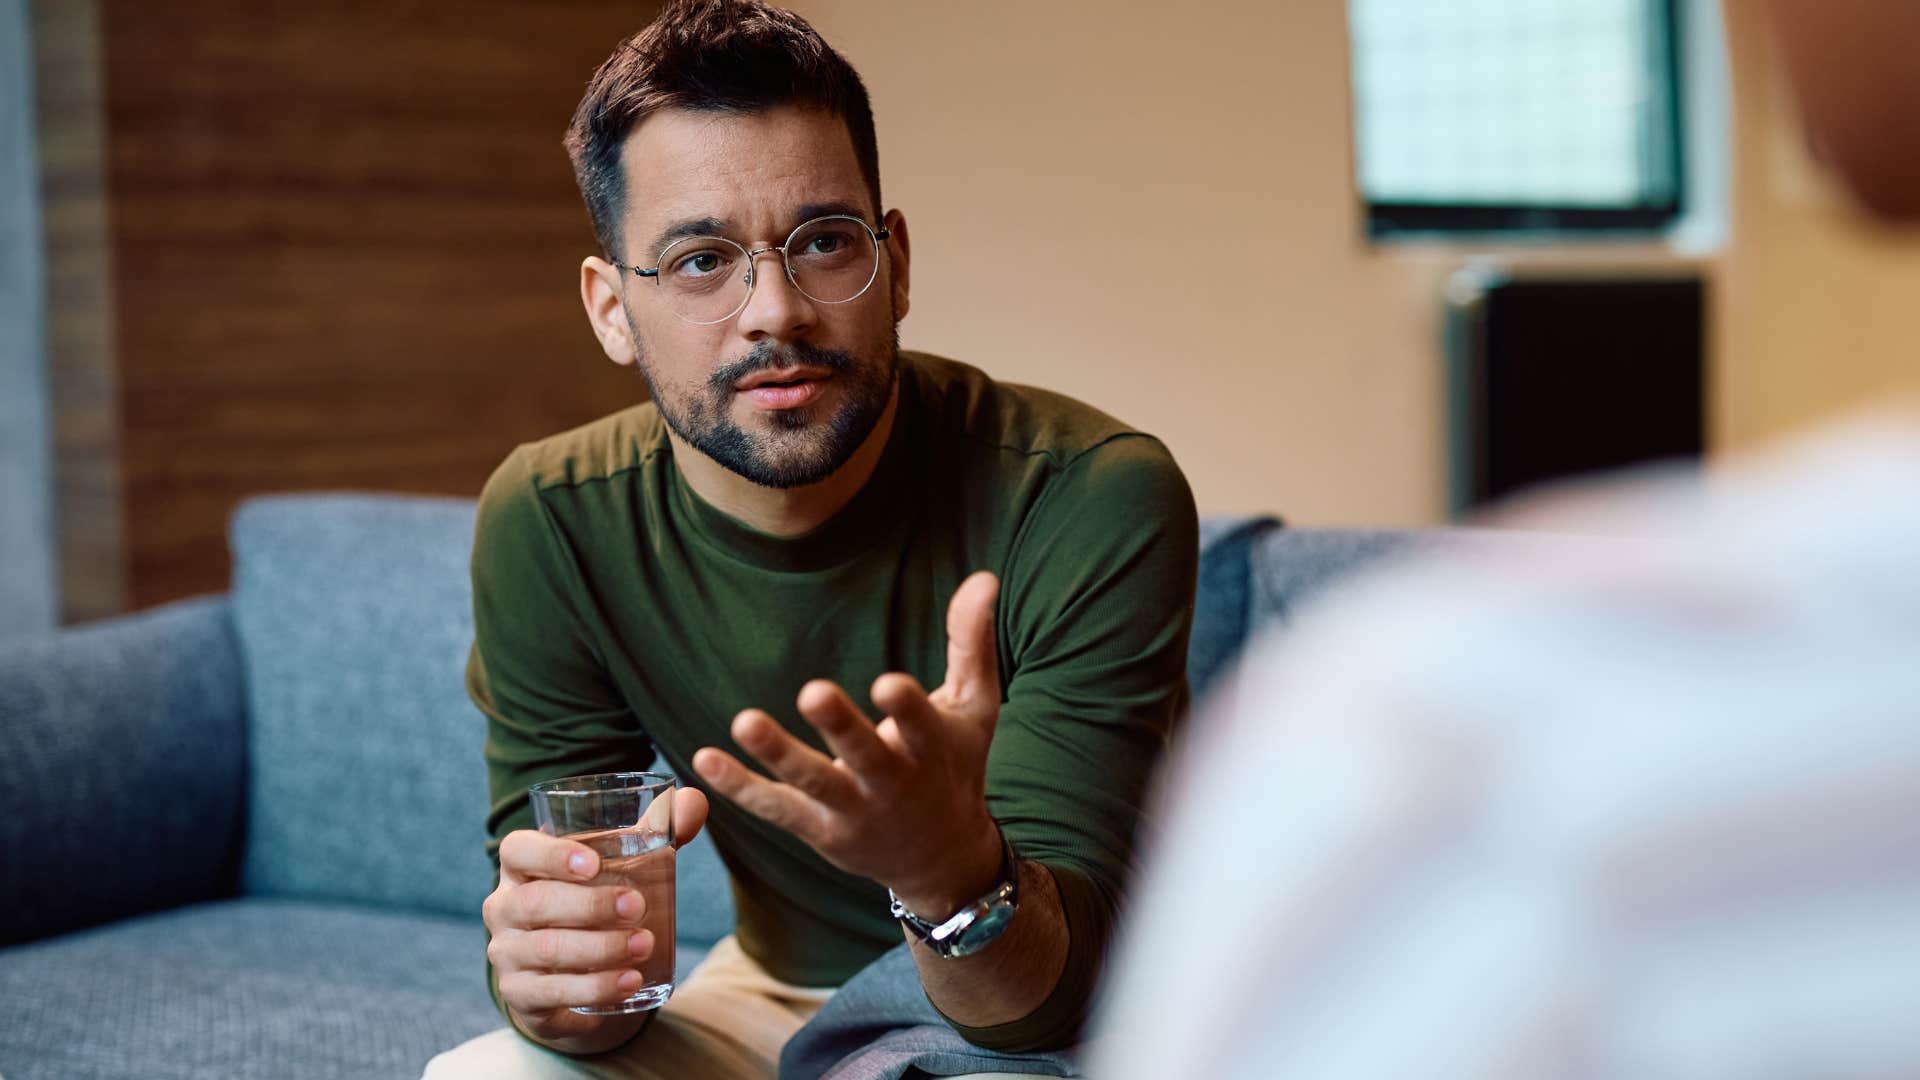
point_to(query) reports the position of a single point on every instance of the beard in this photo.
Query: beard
(797, 447)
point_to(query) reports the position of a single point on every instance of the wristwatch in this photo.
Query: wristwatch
(976, 925)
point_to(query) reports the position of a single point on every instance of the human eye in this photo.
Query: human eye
(698, 264)
(831, 243)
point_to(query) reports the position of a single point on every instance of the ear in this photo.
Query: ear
(898, 258)
(600, 294)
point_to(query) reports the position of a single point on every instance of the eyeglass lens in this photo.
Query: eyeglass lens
(830, 260)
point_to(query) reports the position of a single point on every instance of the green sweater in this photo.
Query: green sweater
(616, 614)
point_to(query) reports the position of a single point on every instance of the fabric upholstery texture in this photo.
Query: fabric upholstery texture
(244, 988)
(122, 766)
(1223, 602)
(1290, 565)
(364, 755)
(368, 783)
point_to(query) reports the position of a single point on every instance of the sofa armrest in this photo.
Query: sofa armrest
(122, 768)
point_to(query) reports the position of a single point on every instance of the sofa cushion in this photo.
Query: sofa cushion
(366, 780)
(249, 987)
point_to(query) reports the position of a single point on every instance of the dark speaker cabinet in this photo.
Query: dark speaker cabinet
(1550, 379)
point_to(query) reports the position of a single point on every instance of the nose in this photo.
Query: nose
(775, 309)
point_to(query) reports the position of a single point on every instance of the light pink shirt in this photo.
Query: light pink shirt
(1644, 808)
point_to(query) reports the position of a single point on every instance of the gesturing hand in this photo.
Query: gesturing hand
(903, 801)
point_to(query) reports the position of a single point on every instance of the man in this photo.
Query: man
(803, 508)
(1645, 809)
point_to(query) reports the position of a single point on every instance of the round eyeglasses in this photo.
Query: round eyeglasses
(708, 279)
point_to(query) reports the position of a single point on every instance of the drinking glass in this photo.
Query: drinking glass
(627, 819)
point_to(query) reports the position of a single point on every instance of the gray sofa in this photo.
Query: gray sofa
(241, 836)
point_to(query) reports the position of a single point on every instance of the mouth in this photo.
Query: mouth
(788, 388)
(783, 377)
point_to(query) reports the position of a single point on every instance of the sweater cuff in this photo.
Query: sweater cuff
(1056, 1023)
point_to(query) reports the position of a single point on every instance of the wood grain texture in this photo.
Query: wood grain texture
(346, 245)
(83, 383)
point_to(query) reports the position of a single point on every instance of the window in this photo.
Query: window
(1510, 115)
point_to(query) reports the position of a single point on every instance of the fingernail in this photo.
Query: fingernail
(640, 944)
(629, 980)
(628, 905)
(578, 864)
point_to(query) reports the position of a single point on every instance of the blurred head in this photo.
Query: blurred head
(1855, 66)
(735, 120)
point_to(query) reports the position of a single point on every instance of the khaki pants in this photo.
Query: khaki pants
(728, 1021)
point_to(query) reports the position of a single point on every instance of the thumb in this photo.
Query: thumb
(973, 665)
(689, 814)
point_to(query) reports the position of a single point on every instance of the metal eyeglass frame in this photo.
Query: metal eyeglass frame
(752, 257)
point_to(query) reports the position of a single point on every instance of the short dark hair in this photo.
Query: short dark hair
(737, 56)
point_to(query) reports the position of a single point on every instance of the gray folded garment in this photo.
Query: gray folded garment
(880, 1026)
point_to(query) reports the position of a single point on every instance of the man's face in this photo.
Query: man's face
(752, 179)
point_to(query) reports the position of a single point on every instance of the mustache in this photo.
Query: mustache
(769, 356)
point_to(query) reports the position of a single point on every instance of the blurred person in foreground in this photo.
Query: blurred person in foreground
(1648, 810)
(803, 513)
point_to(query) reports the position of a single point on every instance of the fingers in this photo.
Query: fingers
(919, 725)
(529, 991)
(973, 667)
(792, 761)
(570, 950)
(526, 854)
(541, 904)
(848, 732)
(777, 804)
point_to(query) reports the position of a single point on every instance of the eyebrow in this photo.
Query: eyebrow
(713, 226)
(828, 209)
(680, 230)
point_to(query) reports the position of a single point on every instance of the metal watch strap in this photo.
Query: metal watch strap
(986, 917)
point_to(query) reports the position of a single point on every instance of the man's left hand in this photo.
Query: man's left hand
(903, 801)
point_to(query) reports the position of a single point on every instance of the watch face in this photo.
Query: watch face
(985, 928)
(995, 920)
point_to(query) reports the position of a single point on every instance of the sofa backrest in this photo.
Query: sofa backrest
(1288, 567)
(367, 783)
(364, 760)
(366, 778)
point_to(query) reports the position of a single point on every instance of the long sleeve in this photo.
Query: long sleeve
(1097, 606)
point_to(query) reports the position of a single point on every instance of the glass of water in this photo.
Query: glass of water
(627, 819)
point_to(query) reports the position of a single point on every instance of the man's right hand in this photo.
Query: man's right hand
(559, 942)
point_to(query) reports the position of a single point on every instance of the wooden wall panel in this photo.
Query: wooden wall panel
(82, 380)
(345, 244)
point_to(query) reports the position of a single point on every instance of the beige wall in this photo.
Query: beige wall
(1149, 207)
(1822, 313)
